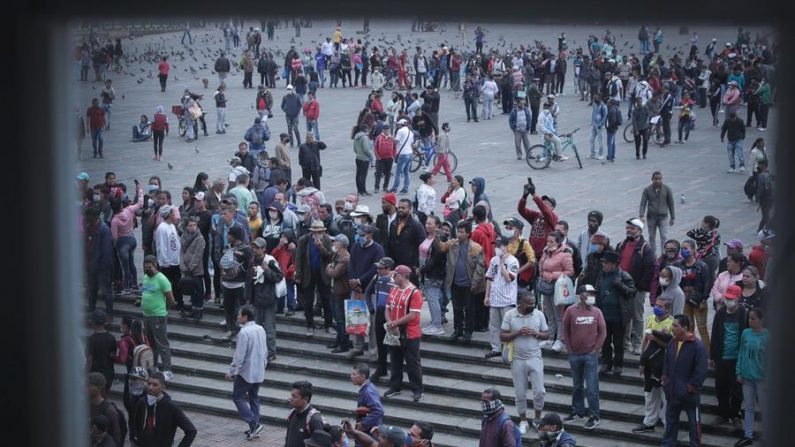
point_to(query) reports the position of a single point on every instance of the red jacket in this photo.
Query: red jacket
(541, 223)
(485, 235)
(385, 147)
(376, 106)
(160, 122)
(312, 110)
(286, 261)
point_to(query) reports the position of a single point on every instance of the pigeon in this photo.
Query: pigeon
(196, 149)
(170, 166)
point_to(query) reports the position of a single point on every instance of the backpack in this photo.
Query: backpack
(613, 89)
(257, 135)
(517, 435)
(219, 65)
(231, 268)
(123, 429)
(138, 354)
(464, 204)
(312, 412)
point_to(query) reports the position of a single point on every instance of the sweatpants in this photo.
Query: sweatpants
(521, 370)
(496, 314)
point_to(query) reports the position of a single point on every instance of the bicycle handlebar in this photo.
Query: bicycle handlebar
(568, 135)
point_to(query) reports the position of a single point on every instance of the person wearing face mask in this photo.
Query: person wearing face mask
(158, 417)
(637, 259)
(521, 249)
(364, 254)
(669, 256)
(669, 281)
(695, 283)
(343, 222)
(497, 427)
(724, 349)
(593, 265)
(552, 434)
(432, 269)
(656, 338)
(501, 289)
(556, 261)
(732, 275)
(584, 332)
(584, 243)
(616, 289)
(272, 226)
(337, 271)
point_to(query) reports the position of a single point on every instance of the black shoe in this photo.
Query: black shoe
(456, 335)
(197, 314)
(618, 370)
(492, 354)
(339, 350)
(643, 428)
(289, 313)
(743, 442)
(332, 345)
(392, 392)
(418, 397)
(467, 338)
(604, 369)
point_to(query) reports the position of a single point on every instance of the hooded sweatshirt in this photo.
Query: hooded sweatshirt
(674, 293)
(485, 235)
(480, 193)
(362, 146)
(157, 424)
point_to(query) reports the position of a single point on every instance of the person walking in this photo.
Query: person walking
(162, 72)
(734, 129)
(403, 321)
(405, 141)
(292, 106)
(584, 332)
(160, 417)
(614, 122)
(657, 210)
(684, 371)
(247, 370)
(497, 427)
(96, 126)
(521, 329)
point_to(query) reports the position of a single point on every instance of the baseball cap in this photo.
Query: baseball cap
(385, 263)
(303, 209)
(83, 176)
(514, 222)
(501, 241)
(403, 270)
(732, 292)
(231, 199)
(402, 122)
(390, 197)
(586, 288)
(734, 243)
(199, 196)
(260, 242)
(635, 223)
(289, 86)
(550, 200)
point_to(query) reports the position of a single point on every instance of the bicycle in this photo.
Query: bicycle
(657, 134)
(426, 154)
(183, 125)
(540, 155)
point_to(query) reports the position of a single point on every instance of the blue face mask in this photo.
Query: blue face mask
(658, 311)
(685, 253)
(409, 440)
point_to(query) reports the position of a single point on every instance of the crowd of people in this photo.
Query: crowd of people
(257, 244)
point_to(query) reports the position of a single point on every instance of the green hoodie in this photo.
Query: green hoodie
(753, 355)
(362, 146)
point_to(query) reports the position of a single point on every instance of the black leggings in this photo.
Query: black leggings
(157, 138)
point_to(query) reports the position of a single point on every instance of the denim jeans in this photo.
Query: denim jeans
(733, 147)
(752, 392)
(338, 310)
(403, 165)
(265, 316)
(672, 412)
(97, 140)
(584, 371)
(125, 246)
(311, 126)
(99, 286)
(292, 126)
(246, 398)
(597, 134)
(220, 122)
(108, 108)
(290, 298)
(433, 293)
(443, 74)
(611, 145)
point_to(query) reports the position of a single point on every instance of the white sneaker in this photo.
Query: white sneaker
(168, 375)
(546, 344)
(730, 171)
(601, 157)
(761, 129)
(430, 330)
(742, 168)
(523, 426)
(558, 346)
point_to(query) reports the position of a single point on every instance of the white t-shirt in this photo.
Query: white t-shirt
(405, 137)
(525, 347)
(503, 292)
(167, 244)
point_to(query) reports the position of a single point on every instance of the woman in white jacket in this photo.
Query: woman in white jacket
(394, 108)
(426, 197)
(488, 91)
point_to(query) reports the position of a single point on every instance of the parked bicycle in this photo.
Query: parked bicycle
(540, 155)
(183, 125)
(657, 135)
(426, 156)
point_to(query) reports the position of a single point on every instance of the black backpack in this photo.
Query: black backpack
(122, 419)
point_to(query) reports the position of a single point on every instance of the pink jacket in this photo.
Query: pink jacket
(732, 96)
(556, 263)
(122, 224)
(722, 282)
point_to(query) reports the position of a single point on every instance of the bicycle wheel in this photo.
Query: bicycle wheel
(416, 162)
(629, 133)
(538, 157)
(451, 158)
(657, 135)
(183, 128)
(576, 154)
(389, 85)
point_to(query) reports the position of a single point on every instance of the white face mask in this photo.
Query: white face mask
(498, 252)
(731, 304)
(590, 300)
(507, 233)
(357, 221)
(333, 248)
(150, 400)
(348, 205)
(665, 282)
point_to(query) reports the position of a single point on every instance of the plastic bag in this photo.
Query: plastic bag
(390, 338)
(507, 352)
(357, 318)
(564, 291)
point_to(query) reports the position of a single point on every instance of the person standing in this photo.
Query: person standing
(656, 338)
(519, 122)
(542, 222)
(615, 287)
(309, 158)
(369, 411)
(220, 108)
(108, 94)
(657, 210)
(160, 417)
(191, 266)
(614, 122)
(734, 129)
(641, 126)
(363, 150)
(261, 293)
(222, 67)
(311, 109)
(234, 265)
(405, 141)
(584, 332)
(696, 280)
(96, 126)
(684, 371)
(521, 329)
(167, 247)
(337, 271)
(155, 298)
(292, 106)
(248, 370)
(99, 259)
(442, 152)
(385, 150)
(556, 262)
(471, 95)
(727, 327)
(403, 320)
(312, 255)
(464, 278)
(162, 72)
(501, 290)
(751, 368)
(159, 131)
(598, 121)
(637, 259)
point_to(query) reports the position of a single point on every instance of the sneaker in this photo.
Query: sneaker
(289, 313)
(558, 346)
(523, 426)
(310, 332)
(601, 157)
(546, 344)
(168, 375)
(742, 168)
(561, 158)
(492, 354)
(433, 331)
(744, 442)
(761, 129)
(255, 433)
(572, 418)
(591, 424)
(730, 171)
(591, 156)
(331, 331)
(418, 397)
(604, 369)
(643, 428)
(391, 393)
(339, 350)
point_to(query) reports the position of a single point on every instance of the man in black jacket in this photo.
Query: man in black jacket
(385, 219)
(724, 349)
(263, 276)
(431, 96)
(309, 159)
(406, 233)
(222, 67)
(735, 128)
(157, 417)
(637, 259)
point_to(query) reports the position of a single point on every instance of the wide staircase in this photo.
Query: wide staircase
(454, 375)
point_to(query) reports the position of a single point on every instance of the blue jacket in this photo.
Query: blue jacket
(512, 119)
(101, 248)
(689, 367)
(362, 263)
(599, 115)
(369, 397)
